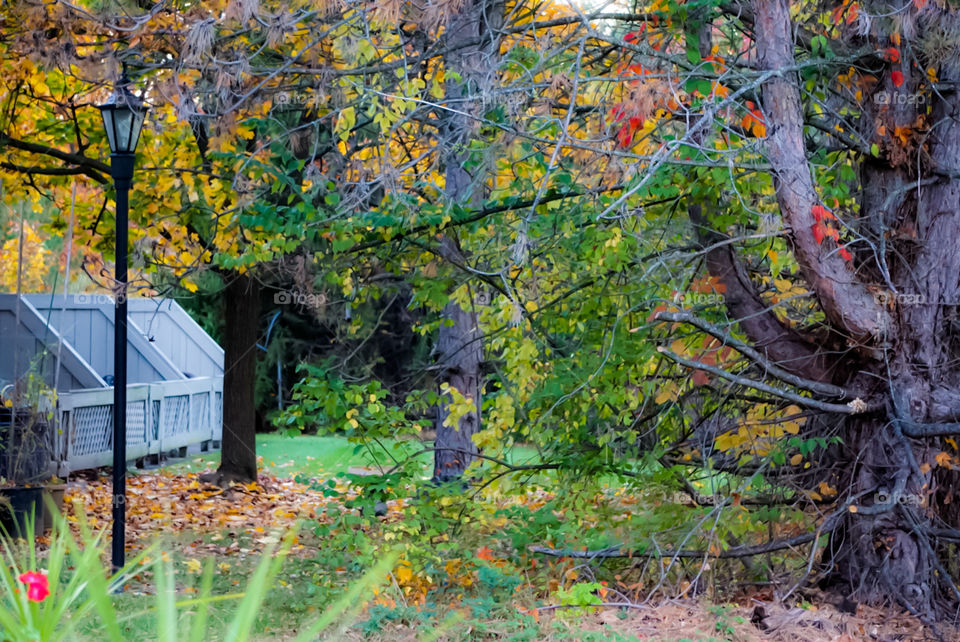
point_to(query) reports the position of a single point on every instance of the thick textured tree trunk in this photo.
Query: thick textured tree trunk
(459, 345)
(241, 327)
(878, 553)
(894, 303)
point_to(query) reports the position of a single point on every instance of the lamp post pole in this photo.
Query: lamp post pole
(121, 168)
(123, 116)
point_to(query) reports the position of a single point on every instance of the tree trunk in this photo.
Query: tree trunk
(241, 330)
(460, 354)
(894, 302)
(459, 345)
(875, 553)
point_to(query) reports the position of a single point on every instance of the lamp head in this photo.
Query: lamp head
(123, 115)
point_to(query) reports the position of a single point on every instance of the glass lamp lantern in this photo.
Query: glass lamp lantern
(123, 115)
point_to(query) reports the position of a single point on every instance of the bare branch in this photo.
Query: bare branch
(852, 408)
(769, 368)
(730, 553)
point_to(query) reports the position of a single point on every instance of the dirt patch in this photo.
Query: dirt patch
(763, 621)
(693, 620)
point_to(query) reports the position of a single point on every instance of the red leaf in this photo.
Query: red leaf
(818, 233)
(656, 311)
(630, 37)
(891, 54)
(845, 254)
(700, 378)
(897, 78)
(848, 11)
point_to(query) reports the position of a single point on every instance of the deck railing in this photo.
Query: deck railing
(161, 417)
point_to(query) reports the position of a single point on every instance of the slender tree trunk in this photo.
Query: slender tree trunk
(241, 320)
(459, 357)
(459, 345)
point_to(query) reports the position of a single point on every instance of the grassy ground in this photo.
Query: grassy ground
(318, 456)
(466, 565)
(310, 455)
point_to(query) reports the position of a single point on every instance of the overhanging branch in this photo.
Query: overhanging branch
(730, 553)
(826, 389)
(855, 407)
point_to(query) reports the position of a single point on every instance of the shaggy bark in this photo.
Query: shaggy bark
(895, 303)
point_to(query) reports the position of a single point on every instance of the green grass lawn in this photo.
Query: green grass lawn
(310, 455)
(318, 456)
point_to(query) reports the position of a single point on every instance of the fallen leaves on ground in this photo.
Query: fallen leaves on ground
(164, 503)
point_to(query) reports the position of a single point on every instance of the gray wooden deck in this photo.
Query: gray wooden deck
(175, 374)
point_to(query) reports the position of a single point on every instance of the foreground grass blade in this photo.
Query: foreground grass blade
(198, 624)
(257, 588)
(350, 602)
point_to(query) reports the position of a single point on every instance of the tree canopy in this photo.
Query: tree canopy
(701, 246)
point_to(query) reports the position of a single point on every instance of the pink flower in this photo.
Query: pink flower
(38, 587)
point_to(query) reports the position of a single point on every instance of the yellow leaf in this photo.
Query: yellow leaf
(796, 459)
(404, 574)
(345, 122)
(782, 285)
(943, 459)
(827, 490)
(667, 392)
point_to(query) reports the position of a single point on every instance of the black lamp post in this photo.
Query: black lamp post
(123, 115)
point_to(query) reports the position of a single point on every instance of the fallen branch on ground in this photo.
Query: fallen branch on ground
(730, 553)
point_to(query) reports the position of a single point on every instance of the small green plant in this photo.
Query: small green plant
(725, 624)
(582, 595)
(46, 599)
(66, 593)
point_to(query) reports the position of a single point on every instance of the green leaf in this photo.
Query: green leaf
(345, 123)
